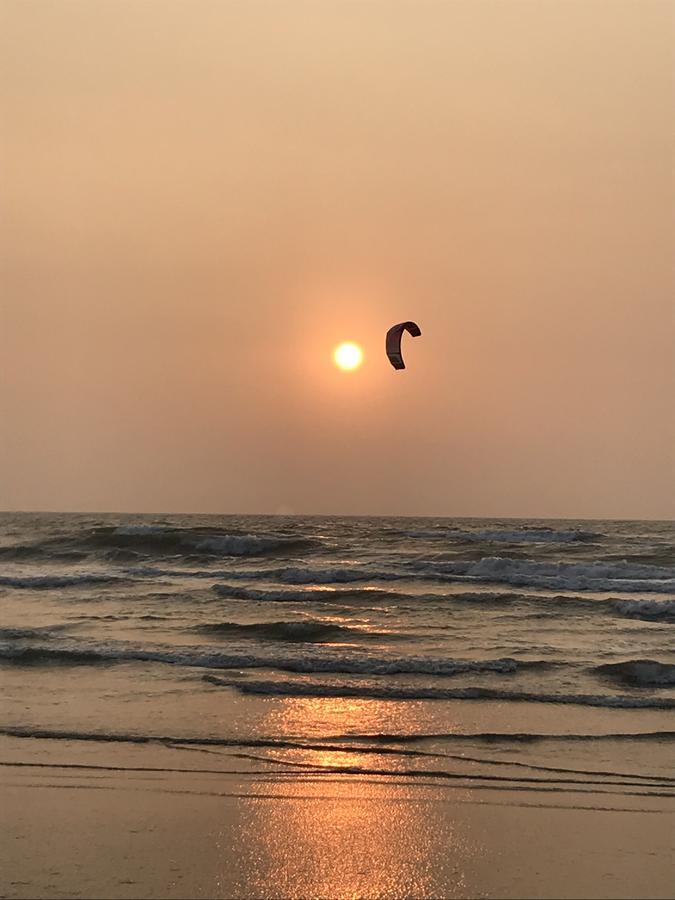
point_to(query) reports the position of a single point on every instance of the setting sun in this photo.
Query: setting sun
(348, 356)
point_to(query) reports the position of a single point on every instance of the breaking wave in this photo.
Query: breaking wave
(647, 610)
(134, 541)
(640, 672)
(163, 540)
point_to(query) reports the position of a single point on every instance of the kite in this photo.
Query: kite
(393, 342)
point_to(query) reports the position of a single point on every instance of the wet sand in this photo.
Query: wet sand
(105, 826)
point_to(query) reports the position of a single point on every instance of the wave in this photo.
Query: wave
(489, 737)
(286, 575)
(45, 582)
(301, 632)
(328, 594)
(28, 552)
(127, 543)
(339, 575)
(519, 535)
(163, 540)
(331, 594)
(281, 595)
(45, 655)
(298, 575)
(23, 633)
(538, 779)
(640, 672)
(647, 610)
(376, 691)
(307, 662)
(590, 576)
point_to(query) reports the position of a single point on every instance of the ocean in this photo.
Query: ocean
(483, 653)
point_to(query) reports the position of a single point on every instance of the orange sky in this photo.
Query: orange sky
(200, 200)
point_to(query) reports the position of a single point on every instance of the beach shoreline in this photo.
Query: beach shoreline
(155, 821)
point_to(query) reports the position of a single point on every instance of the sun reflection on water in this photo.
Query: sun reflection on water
(350, 835)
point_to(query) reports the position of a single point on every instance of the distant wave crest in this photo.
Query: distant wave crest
(510, 536)
(209, 542)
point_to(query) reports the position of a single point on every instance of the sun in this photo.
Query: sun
(348, 356)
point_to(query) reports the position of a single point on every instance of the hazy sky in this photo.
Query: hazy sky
(201, 199)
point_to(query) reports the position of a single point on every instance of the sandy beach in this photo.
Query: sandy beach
(161, 821)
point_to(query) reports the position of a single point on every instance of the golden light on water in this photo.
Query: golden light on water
(348, 356)
(333, 832)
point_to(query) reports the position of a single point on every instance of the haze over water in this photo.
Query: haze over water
(201, 201)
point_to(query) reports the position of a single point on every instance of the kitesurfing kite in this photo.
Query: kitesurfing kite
(393, 342)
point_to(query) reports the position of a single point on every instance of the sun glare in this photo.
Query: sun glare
(348, 356)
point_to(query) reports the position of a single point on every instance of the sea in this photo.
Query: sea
(493, 654)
